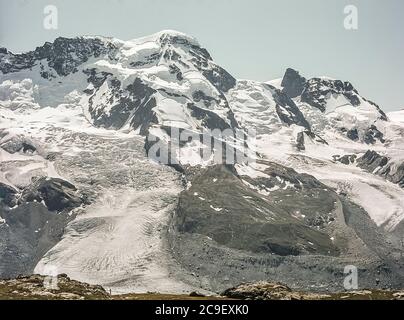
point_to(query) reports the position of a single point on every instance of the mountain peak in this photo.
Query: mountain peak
(175, 33)
(293, 83)
(166, 37)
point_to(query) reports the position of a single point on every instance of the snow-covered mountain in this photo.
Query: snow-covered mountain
(84, 190)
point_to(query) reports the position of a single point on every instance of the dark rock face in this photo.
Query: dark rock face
(200, 95)
(19, 144)
(144, 116)
(316, 91)
(29, 231)
(7, 195)
(372, 134)
(140, 102)
(353, 134)
(30, 224)
(220, 78)
(96, 78)
(238, 210)
(64, 55)
(300, 139)
(133, 103)
(346, 159)
(397, 176)
(287, 110)
(373, 162)
(209, 119)
(177, 71)
(58, 195)
(149, 60)
(293, 83)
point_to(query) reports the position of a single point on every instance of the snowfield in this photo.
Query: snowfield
(118, 240)
(396, 116)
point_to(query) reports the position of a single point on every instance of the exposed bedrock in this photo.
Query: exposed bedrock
(284, 226)
(32, 221)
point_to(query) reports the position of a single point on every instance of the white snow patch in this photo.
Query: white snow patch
(216, 209)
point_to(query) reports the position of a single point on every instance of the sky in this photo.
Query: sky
(251, 39)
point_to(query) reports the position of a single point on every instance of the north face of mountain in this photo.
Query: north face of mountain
(126, 82)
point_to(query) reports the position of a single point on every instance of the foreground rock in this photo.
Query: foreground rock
(35, 224)
(33, 288)
(276, 291)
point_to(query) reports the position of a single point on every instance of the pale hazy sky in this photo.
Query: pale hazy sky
(252, 39)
